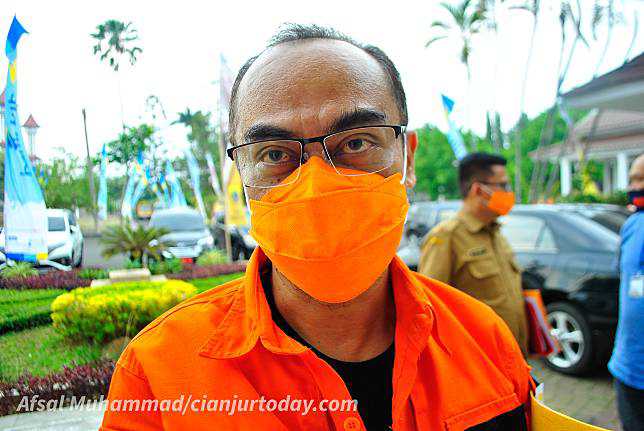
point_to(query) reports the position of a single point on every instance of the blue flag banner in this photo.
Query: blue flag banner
(25, 214)
(453, 135)
(193, 168)
(139, 190)
(164, 188)
(177, 199)
(102, 186)
(126, 207)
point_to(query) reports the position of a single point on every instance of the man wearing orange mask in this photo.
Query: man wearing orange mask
(470, 253)
(326, 313)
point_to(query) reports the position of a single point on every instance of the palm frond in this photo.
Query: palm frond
(434, 39)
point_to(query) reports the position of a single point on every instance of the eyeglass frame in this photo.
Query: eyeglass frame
(507, 188)
(399, 130)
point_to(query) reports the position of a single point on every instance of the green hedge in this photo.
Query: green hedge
(21, 309)
(100, 314)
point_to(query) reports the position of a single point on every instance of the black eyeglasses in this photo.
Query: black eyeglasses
(362, 150)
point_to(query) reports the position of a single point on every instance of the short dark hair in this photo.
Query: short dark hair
(476, 167)
(290, 32)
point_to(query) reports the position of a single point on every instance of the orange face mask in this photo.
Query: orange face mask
(329, 234)
(501, 202)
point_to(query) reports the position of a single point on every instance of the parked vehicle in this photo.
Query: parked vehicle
(569, 257)
(609, 216)
(188, 235)
(242, 242)
(64, 238)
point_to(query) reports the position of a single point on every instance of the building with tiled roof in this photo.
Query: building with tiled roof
(612, 133)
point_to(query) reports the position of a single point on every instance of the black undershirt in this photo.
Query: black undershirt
(369, 382)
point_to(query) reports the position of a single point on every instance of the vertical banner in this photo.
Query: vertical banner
(126, 207)
(214, 180)
(25, 214)
(177, 199)
(102, 186)
(164, 189)
(453, 135)
(235, 209)
(193, 168)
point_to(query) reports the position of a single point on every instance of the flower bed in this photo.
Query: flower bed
(192, 271)
(100, 314)
(90, 380)
(69, 280)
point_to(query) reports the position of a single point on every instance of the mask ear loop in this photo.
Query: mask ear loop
(404, 134)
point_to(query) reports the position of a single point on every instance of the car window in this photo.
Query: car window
(589, 234)
(56, 224)
(72, 219)
(528, 233)
(178, 222)
(612, 220)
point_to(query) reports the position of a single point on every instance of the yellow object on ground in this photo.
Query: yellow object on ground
(545, 419)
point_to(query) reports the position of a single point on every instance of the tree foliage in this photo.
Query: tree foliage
(114, 40)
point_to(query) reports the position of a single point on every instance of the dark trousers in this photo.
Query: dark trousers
(630, 404)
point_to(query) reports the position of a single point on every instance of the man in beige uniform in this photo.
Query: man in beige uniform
(470, 253)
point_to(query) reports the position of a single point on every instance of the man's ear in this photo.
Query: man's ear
(412, 144)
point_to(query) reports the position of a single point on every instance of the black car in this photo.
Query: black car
(609, 216)
(242, 243)
(570, 258)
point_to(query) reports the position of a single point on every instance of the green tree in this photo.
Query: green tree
(130, 142)
(465, 21)
(114, 40)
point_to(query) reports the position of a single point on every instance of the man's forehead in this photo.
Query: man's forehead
(311, 80)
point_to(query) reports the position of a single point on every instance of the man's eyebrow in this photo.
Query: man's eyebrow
(356, 118)
(263, 131)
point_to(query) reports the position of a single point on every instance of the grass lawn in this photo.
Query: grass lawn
(203, 284)
(41, 350)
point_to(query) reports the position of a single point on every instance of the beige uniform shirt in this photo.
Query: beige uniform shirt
(475, 258)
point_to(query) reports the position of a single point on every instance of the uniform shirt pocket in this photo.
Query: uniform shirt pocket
(483, 268)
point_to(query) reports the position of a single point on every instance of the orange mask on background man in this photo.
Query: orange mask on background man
(331, 235)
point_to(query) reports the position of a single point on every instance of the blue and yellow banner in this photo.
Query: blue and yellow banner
(177, 199)
(25, 214)
(453, 135)
(193, 168)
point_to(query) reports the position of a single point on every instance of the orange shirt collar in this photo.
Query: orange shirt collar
(249, 316)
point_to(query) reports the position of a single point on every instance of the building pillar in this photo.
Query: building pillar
(622, 172)
(607, 178)
(565, 176)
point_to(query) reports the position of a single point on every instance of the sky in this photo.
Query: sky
(58, 75)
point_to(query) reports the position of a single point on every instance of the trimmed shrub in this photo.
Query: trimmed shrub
(50, 280)
(93, 274)
(90, 380)
(212, 257)
(168, 266)
(21, 309)
(191, 271)
(100, 314)
(18, 270)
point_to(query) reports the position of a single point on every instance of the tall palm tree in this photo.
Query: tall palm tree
(531, 6)
(465, 20)
(114, 40)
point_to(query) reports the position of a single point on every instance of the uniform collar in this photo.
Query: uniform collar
(249, 317)
(475, 225)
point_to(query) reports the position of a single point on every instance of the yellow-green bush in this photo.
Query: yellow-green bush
(103, 313)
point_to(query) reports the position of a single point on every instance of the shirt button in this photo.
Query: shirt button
(352, 424)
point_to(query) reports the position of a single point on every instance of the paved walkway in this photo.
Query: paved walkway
(590, 399)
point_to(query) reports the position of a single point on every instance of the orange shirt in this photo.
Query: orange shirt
(456, 365)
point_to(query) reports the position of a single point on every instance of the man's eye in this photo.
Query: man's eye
(275, 156)
(356, 145)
